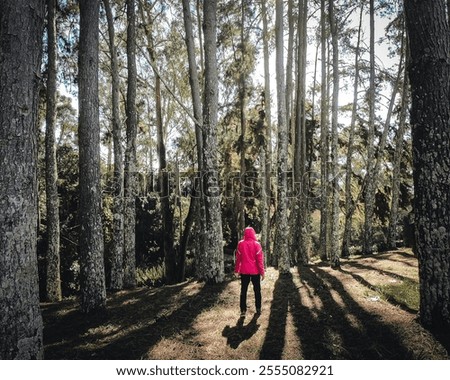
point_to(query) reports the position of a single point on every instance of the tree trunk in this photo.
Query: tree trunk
(349, 202)
(300, 243)
(396, 174)
(429, 73)
(267, 159)
(243, 121)
(196, 207)
(282, 233)
(211, 263)
(130, 179)
(164, 187)
(324, 209)
(369, 199)
(92, 273)
(21, 28)
(117, 228)
(53, 285)
(334, 246)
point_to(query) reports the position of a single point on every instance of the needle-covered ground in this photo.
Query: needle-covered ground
(365, 310)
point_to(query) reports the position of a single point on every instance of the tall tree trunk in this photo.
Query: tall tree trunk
(195, 206)
(130, 179)
(20, 58)
(267, 159)
(281, 234)
(211, 264)
(289, 71)
(396, 174)
(349, 202)
(334, 244)
(324, 209)
(369, 199)
(300, 243)
(166, 211)
(53, 285)
(243, 113)
(117, 228)
(92, 272)
(429, 73)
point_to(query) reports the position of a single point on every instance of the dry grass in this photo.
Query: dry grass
(313, 313)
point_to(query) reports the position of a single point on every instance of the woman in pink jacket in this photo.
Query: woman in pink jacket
(250, 265)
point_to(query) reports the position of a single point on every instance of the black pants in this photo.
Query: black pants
(245, 281)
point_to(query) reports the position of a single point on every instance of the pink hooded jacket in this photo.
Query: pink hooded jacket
(249, 254)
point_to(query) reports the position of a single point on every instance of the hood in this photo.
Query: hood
(249, 234)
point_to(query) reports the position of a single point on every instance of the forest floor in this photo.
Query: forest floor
(314, 312)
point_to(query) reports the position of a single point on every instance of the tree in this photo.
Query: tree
(164, 186)
(324, 143)
(130, 184)
(267, 159)
(92, 272)
(118, 214)
(334, 251)
(429, 74)
(300, 243)
(211, 264)
(281, 232)
(350, 203)
(369, 198)
(20, 59)
(51, 171)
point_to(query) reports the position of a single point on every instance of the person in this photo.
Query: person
(250, 266)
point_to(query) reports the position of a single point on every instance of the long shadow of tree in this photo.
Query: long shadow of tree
(327, 329)
(145, 316)
(392, 301)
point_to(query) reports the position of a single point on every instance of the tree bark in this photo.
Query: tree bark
(281, 234)
(334, 246)
(396, 171)
(324, 145)
(92, 273)
(369, 199)
(429, 74)
(211, 264)
(300, 243)
(21, 28)
(349, 202)
(267, 159)
(130, 180)
(117, 228)
(196, 206)
(53, 283)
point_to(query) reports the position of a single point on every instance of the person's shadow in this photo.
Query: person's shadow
(237, 334)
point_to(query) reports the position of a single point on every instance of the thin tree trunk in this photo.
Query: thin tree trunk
(267, 159)
(53, 285)
(369, 199)
(211, 264)
(300, 244)
(396, 171)
(92, 272)
(349, 202)
(20, 58)
(323, 141)
(281, 235)
(166, 212)
(334, 244)
(429, 74)
(130, 179)
(117, 228)
(243, 112)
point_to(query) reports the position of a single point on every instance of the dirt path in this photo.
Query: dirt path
(312, 313)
